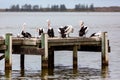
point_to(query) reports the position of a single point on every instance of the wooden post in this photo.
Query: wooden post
(51, 61)
(22, 57)
(44, 44)
(8, 74)
(104, 46)
(104, 72)
(8, 52)
(75, 66)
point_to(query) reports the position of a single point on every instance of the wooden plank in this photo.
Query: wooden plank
(3, 47)
(79, 41)
(73, 43)
(34, 41)
(2, 41)
(24, 41)
(28, 50)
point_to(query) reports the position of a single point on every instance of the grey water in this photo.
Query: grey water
(89, 63)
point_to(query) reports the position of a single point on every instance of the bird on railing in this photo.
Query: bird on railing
(66, 30)
(83, 30)
(50, 31)
(61, 30)
(25, 34)
(40, 31)
(97, 34)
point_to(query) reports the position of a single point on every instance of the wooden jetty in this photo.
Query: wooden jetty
(46, 46)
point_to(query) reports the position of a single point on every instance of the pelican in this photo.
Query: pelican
(65, 30)
(98, 34)
(40, 31)
(50, 31)
(61, 30)
(25, 34)
(83, 30)
(68, 29)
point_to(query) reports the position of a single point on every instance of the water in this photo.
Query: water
(89, 62)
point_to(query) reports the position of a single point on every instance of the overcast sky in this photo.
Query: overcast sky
(68, 3)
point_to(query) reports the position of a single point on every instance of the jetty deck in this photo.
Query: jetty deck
(84, 44)
(46, 46)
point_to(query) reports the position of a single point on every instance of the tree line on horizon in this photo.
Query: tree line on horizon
(61, 7)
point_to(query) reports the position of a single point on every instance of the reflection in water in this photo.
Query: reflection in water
(8, 74)
(60, 72)
(22, 72)
(104, 72)
(44, 74)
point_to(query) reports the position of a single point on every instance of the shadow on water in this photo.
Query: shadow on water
(60, 73)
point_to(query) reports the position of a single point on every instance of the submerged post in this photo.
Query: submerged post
(8, 51)
(104, 48)
(44, 58)
(75, 66)
(22, 58)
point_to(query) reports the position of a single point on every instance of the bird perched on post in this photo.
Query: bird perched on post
(25, 34)
(83, 30)
(50, 31)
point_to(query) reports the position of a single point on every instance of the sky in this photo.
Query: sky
(68, 3)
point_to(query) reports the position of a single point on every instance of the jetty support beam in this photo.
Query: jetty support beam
(75, 65)
(51, 61)
(104, 43)
(8, 51)
(22, 61)
(44, 58)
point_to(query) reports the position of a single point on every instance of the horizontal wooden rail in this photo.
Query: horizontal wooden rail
(84, 44)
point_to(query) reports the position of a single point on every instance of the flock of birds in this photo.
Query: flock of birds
(63, 31)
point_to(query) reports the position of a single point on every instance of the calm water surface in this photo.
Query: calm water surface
(89, 62)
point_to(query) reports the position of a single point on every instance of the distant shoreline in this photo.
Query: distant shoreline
(96, 9)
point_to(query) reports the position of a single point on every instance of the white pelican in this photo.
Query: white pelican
(65, 30)
(98, 34)
(50, 31)
(40, 31)
(83, 30)
(25, 34)
(61, 30)
(68, 29)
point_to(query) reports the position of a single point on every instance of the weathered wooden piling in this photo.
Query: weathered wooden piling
(8, 74)
(22, 61)
(51, 61)
(44, 58)
(75, 65)
(104, 45)
(8, 51)
(104, 71)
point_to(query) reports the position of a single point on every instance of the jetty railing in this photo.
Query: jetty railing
(46, 46)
